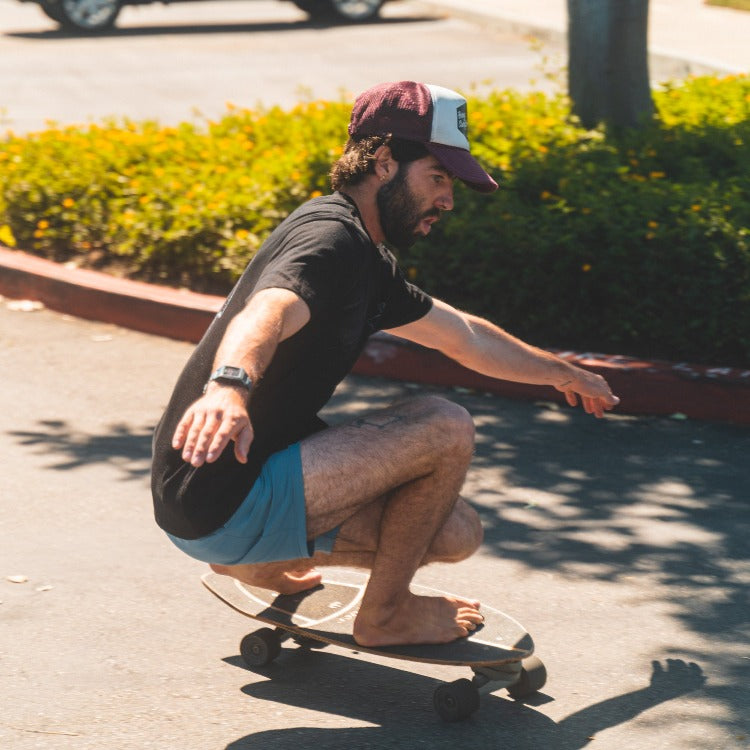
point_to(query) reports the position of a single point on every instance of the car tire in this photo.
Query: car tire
(340, 11)
(50, 10)
(83, 16)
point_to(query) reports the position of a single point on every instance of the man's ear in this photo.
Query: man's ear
(385, 165)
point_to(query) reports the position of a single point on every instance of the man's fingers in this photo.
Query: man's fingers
(206, 443)
(242, 444)
(196, 435)
(181, 431)
(207, 427)
(591, 401)
(230, 429)
(198, 439)
(193, 433)
(211, 434)
(593, 406)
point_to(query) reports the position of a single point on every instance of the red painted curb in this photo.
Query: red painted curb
(644, 387)
(173, 313)
(658, 388)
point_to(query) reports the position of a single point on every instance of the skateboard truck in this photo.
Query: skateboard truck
(455, 701)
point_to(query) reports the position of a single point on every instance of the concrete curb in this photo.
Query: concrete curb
(645, 387)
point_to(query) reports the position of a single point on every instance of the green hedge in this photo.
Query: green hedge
(637, 245)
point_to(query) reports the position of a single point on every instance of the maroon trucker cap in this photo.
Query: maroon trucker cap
(431, 115)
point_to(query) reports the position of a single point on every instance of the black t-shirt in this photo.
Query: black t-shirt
(352, 287)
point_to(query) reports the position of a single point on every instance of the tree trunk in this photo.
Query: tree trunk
(608, 79)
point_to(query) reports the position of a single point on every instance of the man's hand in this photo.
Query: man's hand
(220, 415)
(592, 389)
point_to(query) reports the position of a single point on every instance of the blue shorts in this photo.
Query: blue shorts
(270, 524)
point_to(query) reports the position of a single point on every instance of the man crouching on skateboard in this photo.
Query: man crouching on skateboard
(247, 478)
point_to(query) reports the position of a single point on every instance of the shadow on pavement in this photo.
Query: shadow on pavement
(120, 446)
(632, 496)
(663, 500)
(212, 28)
(399, 703)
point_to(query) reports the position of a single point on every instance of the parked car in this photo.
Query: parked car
(99, 15)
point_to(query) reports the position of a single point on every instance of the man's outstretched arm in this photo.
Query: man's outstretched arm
(488, 349)
(250, 342)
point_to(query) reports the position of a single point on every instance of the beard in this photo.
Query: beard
(399, 211)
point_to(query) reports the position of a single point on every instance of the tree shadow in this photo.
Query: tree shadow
(121, 446)
(557, 491)
(398, 702)
(263, 27)
(663, 499)
(644, 495)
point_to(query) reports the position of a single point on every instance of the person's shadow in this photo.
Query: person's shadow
(396, 701)
(677, 679)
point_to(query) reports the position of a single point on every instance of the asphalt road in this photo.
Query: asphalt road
(621, 544)
(188, 60)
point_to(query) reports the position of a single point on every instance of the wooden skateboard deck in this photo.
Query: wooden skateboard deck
(326, 613)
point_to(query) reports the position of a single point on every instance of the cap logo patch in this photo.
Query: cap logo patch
(461, 121)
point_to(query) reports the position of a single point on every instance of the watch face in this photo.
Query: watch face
(232, 375)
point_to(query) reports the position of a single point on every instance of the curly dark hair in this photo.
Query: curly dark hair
(358, 159)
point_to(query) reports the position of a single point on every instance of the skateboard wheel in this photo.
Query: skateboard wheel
(260, 648)
(456, 701)
(533, 677)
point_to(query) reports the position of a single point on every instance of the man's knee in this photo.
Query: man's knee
(451, 425)
(460, 537)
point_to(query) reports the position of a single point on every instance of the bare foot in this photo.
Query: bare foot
(418, 619)
(274, 576)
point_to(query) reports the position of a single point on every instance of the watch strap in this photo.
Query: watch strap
(231, 376)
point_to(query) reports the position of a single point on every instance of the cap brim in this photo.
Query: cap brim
(461, 164)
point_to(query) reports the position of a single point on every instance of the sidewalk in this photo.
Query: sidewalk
(685, 36)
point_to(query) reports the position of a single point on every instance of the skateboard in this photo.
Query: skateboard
(498, 652)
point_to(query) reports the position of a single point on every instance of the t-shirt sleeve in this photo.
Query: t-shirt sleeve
(316, 257)
(404, 302)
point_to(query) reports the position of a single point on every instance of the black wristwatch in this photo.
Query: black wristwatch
(231, 376)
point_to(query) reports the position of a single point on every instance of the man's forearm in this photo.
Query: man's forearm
(497, 353)
(252, 337)
(250, 342)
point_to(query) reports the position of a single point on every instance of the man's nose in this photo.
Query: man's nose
(445, 200)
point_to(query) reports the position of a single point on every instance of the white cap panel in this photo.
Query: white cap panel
(449, 123)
